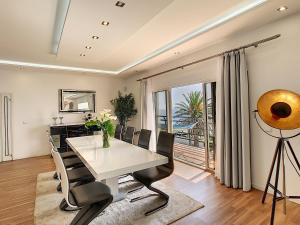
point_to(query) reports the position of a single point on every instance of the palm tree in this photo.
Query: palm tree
(191, 109)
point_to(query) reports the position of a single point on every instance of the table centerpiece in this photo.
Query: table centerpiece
(104, 123)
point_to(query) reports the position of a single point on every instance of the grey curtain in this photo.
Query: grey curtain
(235, 162)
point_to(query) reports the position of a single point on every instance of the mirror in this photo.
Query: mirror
(77, 101)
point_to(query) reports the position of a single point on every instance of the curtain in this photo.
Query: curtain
(233, 146)
(147, 110)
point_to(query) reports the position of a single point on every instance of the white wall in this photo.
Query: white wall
(35, 102)
(275, 64)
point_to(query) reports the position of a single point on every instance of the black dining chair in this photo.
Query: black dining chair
(91, 198)
(128, 136)
(144, 139)
(148, 176)
(78, 176)
(143, 142)
(71, 158)
(118, 131)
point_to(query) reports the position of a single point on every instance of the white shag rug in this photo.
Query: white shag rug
(123, 212)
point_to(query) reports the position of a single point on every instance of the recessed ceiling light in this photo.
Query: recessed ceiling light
(82, 54)
(88, 47)
(95, 37)
(120, 4)
(105, 23)
(282, 8)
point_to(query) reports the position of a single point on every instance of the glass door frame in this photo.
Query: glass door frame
(170, 117)
(167, 99)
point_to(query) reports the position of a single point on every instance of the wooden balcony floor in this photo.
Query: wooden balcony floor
(192, 155)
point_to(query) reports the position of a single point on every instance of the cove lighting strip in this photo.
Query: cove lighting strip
(219, 20)
(56, 67)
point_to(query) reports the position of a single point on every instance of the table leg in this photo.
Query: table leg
(113, 184)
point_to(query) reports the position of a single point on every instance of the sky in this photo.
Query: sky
(177, 96)
(177, 93)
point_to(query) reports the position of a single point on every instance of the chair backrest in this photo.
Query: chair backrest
(65, 186)
(53, 150)
(164, 147)
(128, 137)
(118, 132)
(144, 139)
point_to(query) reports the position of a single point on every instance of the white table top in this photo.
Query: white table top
(120, 158)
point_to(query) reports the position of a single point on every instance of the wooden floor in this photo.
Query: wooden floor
(193, 155)
(222, 205)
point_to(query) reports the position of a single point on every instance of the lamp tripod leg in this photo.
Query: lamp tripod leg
(283, 180)
(293, 153)
(278, 146)
(276, 185)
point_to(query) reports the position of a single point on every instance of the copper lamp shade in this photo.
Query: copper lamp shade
(280, 109)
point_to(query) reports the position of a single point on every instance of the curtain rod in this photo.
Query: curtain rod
(254, 44)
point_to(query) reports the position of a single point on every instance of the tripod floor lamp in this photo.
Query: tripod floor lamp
(280, 109)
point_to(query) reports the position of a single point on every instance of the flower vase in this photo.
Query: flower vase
(105, 140)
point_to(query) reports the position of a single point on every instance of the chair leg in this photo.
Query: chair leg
(58, 188)
(55, 176)
(158, 193)
(127, 181)
(163, 195)
(123, 176)
(65, 207)
(136, 189)
(88, 213)
(143, 197)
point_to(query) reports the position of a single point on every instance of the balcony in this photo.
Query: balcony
(194, 156)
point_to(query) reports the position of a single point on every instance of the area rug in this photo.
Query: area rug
(123, 212)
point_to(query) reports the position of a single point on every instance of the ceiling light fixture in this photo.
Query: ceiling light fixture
(120, 4)
(105, 23)
(282, 8)
(60, 18)
(95, 37)
(88, 47)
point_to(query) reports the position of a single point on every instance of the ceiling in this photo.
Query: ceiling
(140, 35)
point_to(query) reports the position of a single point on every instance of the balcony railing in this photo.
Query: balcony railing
(190, 140)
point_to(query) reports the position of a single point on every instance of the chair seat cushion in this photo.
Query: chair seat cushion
(69, 154)
(151, 175)
(90, 193)
(72, 162)
(79, 174)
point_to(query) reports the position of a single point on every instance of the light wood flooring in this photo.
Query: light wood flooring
(222, 205)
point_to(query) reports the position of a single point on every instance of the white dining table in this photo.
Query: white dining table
(108, 164)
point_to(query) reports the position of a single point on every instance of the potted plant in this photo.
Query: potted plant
(105, 124)
(124, 108)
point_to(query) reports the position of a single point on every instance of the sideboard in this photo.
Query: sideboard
(60, 132)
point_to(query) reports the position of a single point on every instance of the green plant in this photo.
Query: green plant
(191, 108)
(124, 108)
(104, 123)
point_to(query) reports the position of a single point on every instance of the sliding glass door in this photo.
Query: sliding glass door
(192, 120)
(193, 123)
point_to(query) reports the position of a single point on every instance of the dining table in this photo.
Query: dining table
(108, 164)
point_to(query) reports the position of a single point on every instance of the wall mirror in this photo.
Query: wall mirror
(76, 101)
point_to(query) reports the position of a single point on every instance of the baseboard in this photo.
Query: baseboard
(258, 187)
